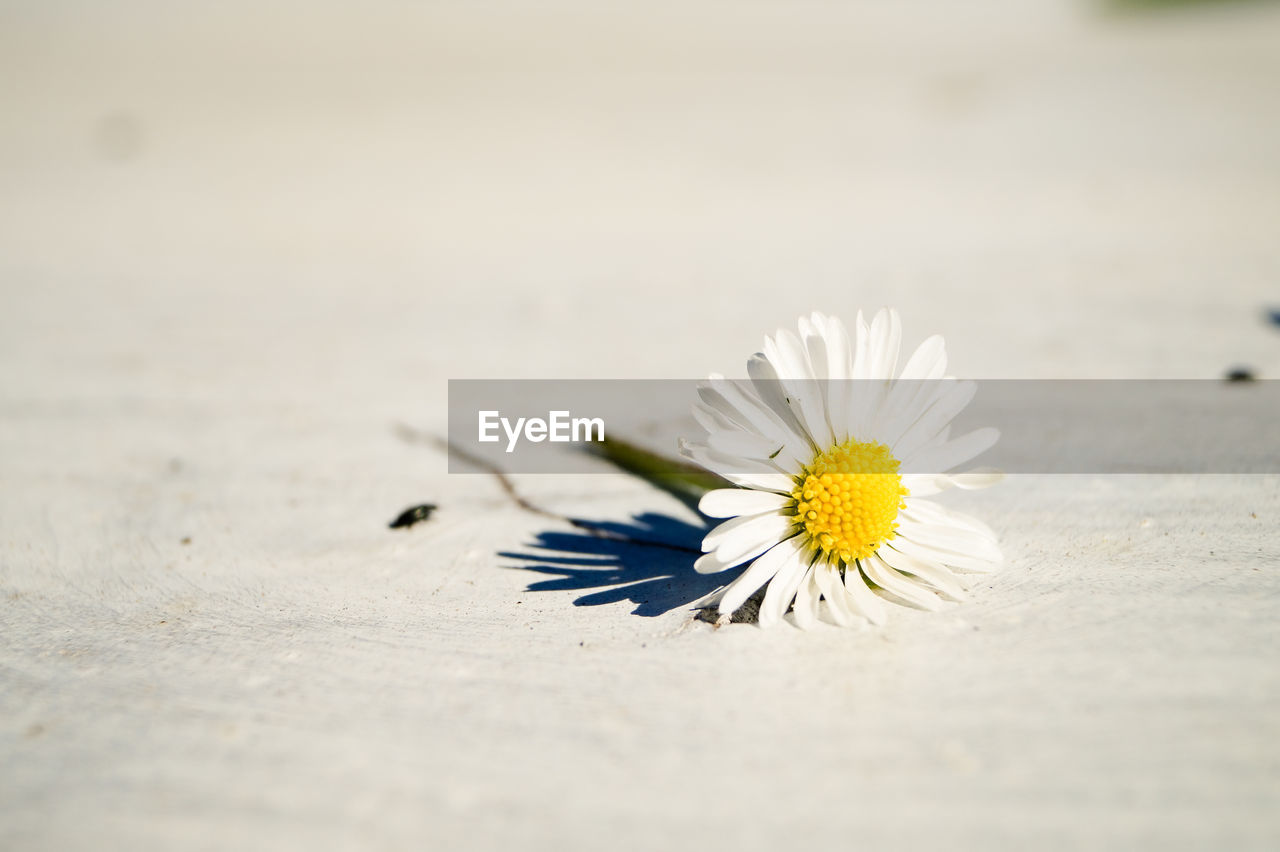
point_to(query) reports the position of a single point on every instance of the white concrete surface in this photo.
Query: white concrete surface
(238, 244)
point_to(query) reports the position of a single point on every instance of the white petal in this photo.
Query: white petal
(950, 398)
(861, 343)
(782, 588)
(711, 419)
(925, 484)
(927, 511)
(762, 481)
(875, 347)
(955, 452)
(866, 407)
(839, 360)
(929, 361)
(886, 334)
(798, 401)
(815, 349)
(741, 403)
(952, 538)
(743, 533)
(807, 598)
(722, 560)
(928, 553)
(864, 601)
(729, 466)
(721, 531)
(790, 358)
(839, 350)
(977, 478)
(934, 574)
(776, 393)
(745, 445)
(883, 575)
(908, 401)
(838, 602)
(731, 502)
(709, 599)
(757, 574)
(744, 411)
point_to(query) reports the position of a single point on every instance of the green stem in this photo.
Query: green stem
(685, 481)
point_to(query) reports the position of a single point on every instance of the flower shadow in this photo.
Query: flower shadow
(647, 560)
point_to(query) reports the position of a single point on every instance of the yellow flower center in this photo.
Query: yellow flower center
(848, 498)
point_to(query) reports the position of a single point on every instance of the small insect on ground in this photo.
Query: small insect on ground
(413, 515)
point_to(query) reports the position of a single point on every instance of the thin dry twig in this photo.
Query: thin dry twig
(415, 436)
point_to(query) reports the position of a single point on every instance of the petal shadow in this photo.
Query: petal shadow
(647, 560)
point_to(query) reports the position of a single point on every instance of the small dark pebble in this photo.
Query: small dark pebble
(1274, 316)
(1240, 374)
(413, 515)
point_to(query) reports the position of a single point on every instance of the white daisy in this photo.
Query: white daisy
(831, 472)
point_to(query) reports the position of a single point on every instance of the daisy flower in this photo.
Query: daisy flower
(832, 449)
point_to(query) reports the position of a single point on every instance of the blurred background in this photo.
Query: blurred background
(246, 198)
(240, 240)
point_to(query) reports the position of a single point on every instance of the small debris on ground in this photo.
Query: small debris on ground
(413, 515)
(1240, 374)
(748, 613)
